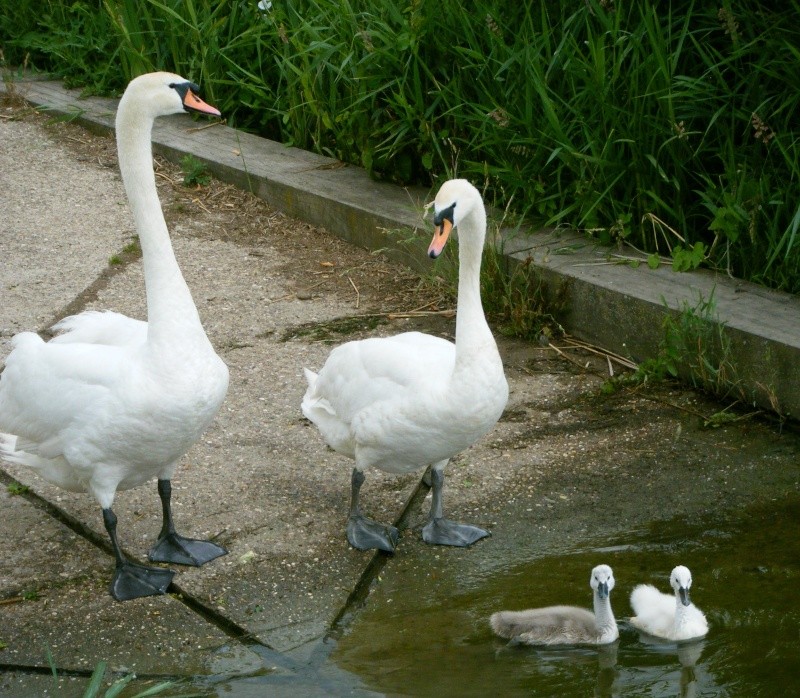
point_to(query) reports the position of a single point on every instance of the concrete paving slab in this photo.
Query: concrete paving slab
(51, 229)
(54, 587)
(260, 482)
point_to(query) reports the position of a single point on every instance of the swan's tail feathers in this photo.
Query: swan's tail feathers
(56, 469)
(8, 447)
(643, 597)
(12, 450)
(321, 413)
(311, 378)
(315, 407)
(503, 625)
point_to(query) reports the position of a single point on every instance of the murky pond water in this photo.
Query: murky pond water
(746, 574)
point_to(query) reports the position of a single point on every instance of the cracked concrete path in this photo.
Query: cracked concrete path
(262, 482)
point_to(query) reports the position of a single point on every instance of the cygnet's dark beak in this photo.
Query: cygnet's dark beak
(602, 590)
(683, 594)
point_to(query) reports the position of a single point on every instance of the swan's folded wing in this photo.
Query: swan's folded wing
(361, 373)
(45, 386)
(100, 327)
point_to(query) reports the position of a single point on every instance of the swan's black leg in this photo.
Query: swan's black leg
(172, 547)
(132, 580)
(442, 531)
(364, 533)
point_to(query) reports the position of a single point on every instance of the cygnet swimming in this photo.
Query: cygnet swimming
(564, 625)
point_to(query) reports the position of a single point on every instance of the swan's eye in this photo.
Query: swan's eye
(445, 214)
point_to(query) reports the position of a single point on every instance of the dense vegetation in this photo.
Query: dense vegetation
(671, 125)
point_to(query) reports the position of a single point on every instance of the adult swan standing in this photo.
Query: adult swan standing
(111, 402)
(404, 402)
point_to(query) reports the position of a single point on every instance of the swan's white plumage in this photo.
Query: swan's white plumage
(112, 402)
(564, 625)
(100, 327)
(665, 615)
(386, 398)
(401, 403)
(405, 402)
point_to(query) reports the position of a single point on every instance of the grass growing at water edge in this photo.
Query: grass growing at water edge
(694, 347)
(95, 687)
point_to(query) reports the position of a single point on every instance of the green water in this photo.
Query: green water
(429, 636)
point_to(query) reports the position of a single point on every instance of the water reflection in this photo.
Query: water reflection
(418, 638)
(684, 684)
(607, 684)
(551, 661)
(689, 655)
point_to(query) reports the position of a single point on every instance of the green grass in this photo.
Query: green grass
(119, 686)
(694, 347)
(195, 172)
(671, 126)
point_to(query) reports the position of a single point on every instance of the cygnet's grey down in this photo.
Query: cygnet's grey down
(668, 616)
(564, 625)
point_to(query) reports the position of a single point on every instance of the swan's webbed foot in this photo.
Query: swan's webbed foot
(174, 548)
(132, 581)
(366, 534)
(441, 531)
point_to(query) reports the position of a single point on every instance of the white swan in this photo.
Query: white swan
(564, 625)
(404, 402)
(112, 402)
(668, 616)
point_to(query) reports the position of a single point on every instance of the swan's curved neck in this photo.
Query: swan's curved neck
(472, 330)
(170, 308)
(604, 616)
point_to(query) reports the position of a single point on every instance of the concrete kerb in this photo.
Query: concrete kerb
(603, 300)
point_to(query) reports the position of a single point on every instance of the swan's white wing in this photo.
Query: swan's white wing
(46, 386)
(360, 374)
(96, 327)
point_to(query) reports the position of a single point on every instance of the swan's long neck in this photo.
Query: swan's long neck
(170, 308)
(681, 614)
(604, 616)
(472, 331)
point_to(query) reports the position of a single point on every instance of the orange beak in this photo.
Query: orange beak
(440, 235)
(193, 103)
